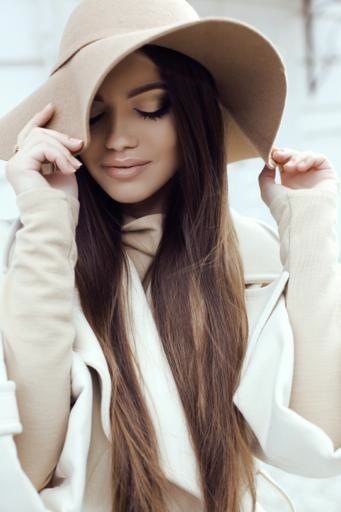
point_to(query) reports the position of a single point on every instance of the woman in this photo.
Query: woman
(179, 310)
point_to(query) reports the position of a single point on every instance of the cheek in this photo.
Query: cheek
(165, 141)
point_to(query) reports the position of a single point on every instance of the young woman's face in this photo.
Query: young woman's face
(127, 124)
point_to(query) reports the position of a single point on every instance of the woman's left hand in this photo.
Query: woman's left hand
(298, 169)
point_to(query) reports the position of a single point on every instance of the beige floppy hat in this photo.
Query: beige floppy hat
(248, 70)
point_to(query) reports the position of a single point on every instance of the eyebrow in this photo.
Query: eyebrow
(139, 90)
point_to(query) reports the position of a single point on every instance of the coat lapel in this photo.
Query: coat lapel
(87, 345)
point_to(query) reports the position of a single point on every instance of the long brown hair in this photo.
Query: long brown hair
(197, 292)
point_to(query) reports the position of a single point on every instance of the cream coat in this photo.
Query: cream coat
(285, 438)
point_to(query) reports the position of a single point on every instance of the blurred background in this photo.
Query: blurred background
(307, 34)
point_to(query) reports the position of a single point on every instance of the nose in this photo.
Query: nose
(120, 134)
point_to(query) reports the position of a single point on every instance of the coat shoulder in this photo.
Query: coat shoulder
(258, 244)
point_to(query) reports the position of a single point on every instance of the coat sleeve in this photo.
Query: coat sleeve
(290, 387)
(35, 315)
(309, 247)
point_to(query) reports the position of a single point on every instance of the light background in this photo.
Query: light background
(30, 31)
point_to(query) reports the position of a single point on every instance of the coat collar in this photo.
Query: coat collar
(141, 237)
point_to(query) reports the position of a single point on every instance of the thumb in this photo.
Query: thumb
(266, 180)
(267, 174)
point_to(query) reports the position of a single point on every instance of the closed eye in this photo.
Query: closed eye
(158, 114)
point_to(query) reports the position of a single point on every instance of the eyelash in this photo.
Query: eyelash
(158, 114)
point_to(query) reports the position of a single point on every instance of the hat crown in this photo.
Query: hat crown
(96, 19)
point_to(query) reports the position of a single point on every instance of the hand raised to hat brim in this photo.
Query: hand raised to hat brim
(38, 146)
(298, 170)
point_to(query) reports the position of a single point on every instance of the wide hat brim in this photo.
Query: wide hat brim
(248, 71)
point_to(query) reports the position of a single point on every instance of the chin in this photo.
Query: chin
(129, 198)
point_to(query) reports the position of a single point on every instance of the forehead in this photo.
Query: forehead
(132, 72)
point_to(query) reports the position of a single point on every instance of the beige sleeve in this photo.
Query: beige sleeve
(36, 309)
(309, 251)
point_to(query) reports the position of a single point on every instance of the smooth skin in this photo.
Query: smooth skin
(121, 127)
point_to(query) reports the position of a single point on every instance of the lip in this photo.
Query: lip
(124, 162)
(125, 172)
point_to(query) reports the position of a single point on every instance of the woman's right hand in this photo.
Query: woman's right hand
(38, 146)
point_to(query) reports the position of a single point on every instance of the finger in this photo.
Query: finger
(37, 137)
(266, 180)
(38, 132)
(39, 119)
(61, 162)
(313, 162)
(266, 177)
(275, 148)
(283, 155)
(289, 166)
(72, 143)
(31, 144)
(46, 152)
(267, 173)
(309, 162)
(292, 164)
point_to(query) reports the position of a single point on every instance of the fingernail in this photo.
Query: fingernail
(75, 140)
